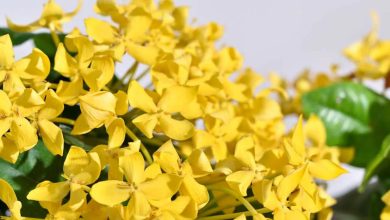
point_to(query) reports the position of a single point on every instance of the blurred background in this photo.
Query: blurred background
(281, 36)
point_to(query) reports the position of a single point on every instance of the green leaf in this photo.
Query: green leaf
(353, 116)
(32, 167)
(45, 42)
(378, 162)
(16, 37)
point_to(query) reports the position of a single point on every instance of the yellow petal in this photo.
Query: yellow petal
(23, 134)
(138, 25)
(29, 103)
(243, 153)
(7, 56)
(200, 165)
(240, 181)
(122, 103)
(52, 136)
(143, 54)
(146, 123)
(293, 156)
(289, 183)
(53, 106)
(82, 125)
(138, 98)
(219, 149)
(116, 132)
(177, 98)
(110, 192)
(38, 67)
(138, 207)
(82, 167)
(104, 101)
(23, 28)
(386, 198)
(333, 170)
(166, 184)
(5, 104)
(69, 92)
(298, 141)
(184, 207)
(315, 130)
(7, 195)
(49, 192)
(262, 190)
(167, 157)
(152, 171)
(106, 67)
(65, 64)
(385, 215)
(192, 111)
(77, 43)
(77, 199)
(229, 60)
(176, 129)
(8, 150)
(133, 166)
(91, 78)
(100, 31)
(190, 187)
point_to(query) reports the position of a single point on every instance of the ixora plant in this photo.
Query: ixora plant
(196, 139)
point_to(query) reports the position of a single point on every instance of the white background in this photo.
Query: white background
(273, 35)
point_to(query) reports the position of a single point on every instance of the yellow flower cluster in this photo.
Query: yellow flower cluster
(370, 55)
(305, 82)
(223, 142)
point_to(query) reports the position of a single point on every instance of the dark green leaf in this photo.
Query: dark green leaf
(353, 116)
(32, 167)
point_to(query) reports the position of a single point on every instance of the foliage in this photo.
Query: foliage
(184, 133)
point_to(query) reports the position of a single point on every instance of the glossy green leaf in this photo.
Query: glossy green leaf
(353, 116)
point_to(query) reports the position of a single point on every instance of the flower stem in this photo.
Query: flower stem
(218, 209)
(55, 37)
(243, 201)
(142, 74)
(233, 215)
(131, 71)
(63, 121)
(144, 151)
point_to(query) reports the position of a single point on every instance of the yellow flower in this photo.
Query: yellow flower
(371, 54)
(159, 113)
(80, 169)
(51, 134)
(183, 207)
(7, 195)
(52, 17)
(216, 137)
(96, 70)
(249, 171)
(139, 188)
(22, 135)
(15, 74)
(110, 156)
(296, 153)
(97, 108)
(197, 165)
(133, 40)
